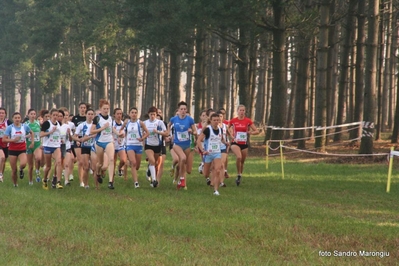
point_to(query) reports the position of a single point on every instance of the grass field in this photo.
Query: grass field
(317, 212)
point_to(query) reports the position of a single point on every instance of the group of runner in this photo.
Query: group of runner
(95, 140)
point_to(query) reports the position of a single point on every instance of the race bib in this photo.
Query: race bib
(183, 136)
(88, 142)
(132, 136)
(36, 136)
(214, 147)
(241, 137)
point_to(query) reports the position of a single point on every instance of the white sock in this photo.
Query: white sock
(152, 170)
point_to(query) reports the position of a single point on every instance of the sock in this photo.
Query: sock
(152, 170)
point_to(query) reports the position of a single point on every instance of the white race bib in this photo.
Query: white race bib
(183, 136)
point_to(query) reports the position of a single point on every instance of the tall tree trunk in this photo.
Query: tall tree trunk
(223, 75)
(386, 79)
(243, 67)
(321, 78)
(366, 145)
(199, 74)
(150, 81)
(360, 50)
(349, 28)
(279, 88)
(189, 83)
(175, 73)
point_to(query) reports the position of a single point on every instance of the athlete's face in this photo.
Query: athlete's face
(182, 110)
(152, 116)
(2, 114)
(215, 121)
(90, 116)
(32, 115)
(82, 109)
(118, 115)
(46, 117)
(133, 114)
(203, 117)
(60, 117)
(16, 119)
(221, 117)
(241, 112)
(54, 116)
(105, 109)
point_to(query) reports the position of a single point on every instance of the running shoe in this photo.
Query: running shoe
(111, 185)
(238, 180)
(154, 183)
(226, 175)
(222, 185)
(120, 172)
(58, 185)
(1, 177)
(91, 171)
(201, 168)
(208, 181)
(181, 183)
(99, 179)
(82, 184)
(87, 187)
(37, 178)
(66, 183)
(136, 185)
(216, 193)
(30, 183)
(71, 177)
(15, 185)
(21, 173)
(45, 186)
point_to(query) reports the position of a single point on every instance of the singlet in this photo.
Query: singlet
(154, 139)
(181, 126)
(64, 136)
(240, 127)
(133, 132)
(3, 127)
(84, 130)
(54, 139)
(213, 140)
(35, 128)
(12, 131)
(118, 141)
(105, 135)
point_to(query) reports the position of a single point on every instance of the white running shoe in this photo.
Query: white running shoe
(91, 171)
(201, 168)
(1, 177)
(216, 193)
(136, 185)
(82, 184)
(70, 177)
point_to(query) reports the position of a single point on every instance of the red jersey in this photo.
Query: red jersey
(3, 127)
(240, 127)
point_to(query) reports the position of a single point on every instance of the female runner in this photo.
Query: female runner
(135, 132)
(240, 127)
(184, 127)
(34, 152)
(15, 135)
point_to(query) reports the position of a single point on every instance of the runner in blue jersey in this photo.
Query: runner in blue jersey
(184, 128)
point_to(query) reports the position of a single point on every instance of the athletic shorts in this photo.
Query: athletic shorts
(49, 150)
(242, 146)
(5, 150)
(15, 153)
(155, 149)
(163, 150)
(73, 151)
(120, 148)
(102, 144)
(183, 147)
(223, 151)
(138, 149)
(210, 157)
(85, 151)
(36, 145)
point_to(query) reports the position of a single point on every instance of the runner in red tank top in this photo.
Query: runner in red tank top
(15, 135)
(4, 122)
(240, 127)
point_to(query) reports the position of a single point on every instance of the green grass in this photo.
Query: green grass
(265, 221)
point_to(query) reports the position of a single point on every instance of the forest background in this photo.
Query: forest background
(293, 63)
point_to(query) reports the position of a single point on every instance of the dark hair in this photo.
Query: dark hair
(182, 103)
(133, 108)
(30, 110)
(90, 109)
(82, 103)
(208, 111)
(214, 115)
(4, 109)
(62, 112)
(152, 109)
(16, 113)
(43, 112)
(117, 109)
